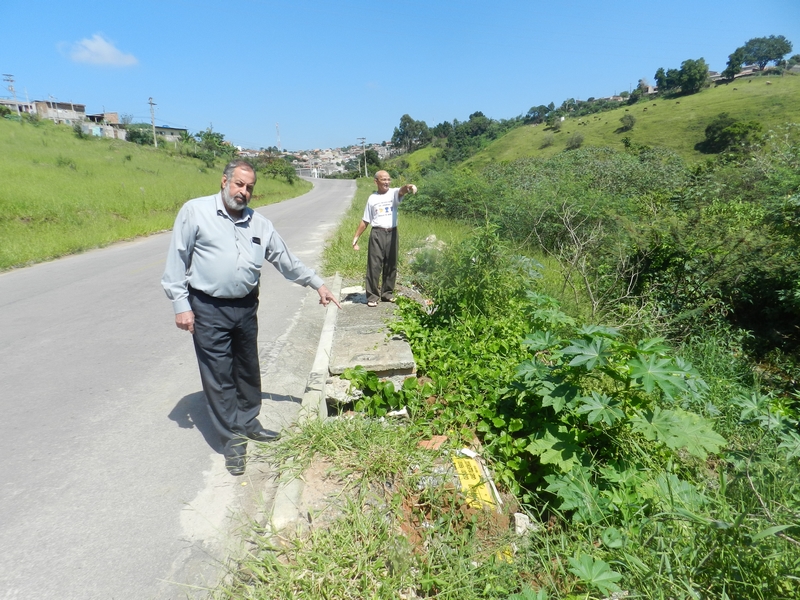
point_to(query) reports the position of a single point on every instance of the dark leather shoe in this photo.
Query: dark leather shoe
(264, 436)
(235, 459)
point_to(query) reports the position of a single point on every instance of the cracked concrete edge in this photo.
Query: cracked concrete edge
(285, 506)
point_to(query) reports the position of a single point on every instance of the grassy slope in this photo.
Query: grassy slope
(415, 159)
(676, 123)
(69, 194)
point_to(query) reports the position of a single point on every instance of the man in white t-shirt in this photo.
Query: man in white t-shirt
(381, 214)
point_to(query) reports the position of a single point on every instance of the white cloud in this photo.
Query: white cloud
(99, 51)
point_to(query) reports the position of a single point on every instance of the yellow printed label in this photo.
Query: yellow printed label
(472, 482)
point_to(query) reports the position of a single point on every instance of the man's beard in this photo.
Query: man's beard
(237, 202)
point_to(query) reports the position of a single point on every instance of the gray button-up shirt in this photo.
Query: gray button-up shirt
(213, 253)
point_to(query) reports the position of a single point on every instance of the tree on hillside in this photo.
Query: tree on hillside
(726, 133)
(639, 92)
(139, 133)
(761, 51)
(667, 80)
(628, 121)
(537, 114)
(442, 130)
(373, 159)
(212, 144)
(689, 79)
(693, 75)
(411, 134)
(735, 62)
(275, 167)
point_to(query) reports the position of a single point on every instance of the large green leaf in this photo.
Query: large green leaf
(541, 340)
(588, 352)
(652, 346)
(557, 447)
(652, 371)
(679, 429)
(557, 395)
(577, 493)
(600, 408)
(595, 572)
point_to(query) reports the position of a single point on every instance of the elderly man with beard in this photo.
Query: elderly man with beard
(212, 277)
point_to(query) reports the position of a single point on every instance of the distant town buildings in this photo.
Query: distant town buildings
(330, 161)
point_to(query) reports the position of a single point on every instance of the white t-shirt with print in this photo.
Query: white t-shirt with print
(381, 209)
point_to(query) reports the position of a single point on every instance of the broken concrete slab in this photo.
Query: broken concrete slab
(362, 338)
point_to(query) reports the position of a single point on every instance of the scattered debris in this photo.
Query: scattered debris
(476, 483)
(434, 443)
(403, 412)
(523, 524)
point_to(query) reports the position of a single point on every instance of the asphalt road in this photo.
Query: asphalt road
(111, 483)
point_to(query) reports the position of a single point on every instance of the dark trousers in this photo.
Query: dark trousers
(381, 264)
(225, 341)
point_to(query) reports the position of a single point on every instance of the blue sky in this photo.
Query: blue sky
(330, 72)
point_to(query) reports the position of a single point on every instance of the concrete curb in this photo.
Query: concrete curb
(285, 509)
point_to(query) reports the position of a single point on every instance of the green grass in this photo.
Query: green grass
(675, 123)
(411, 163)
(62, 194)
(395, 526)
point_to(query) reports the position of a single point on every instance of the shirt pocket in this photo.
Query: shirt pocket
(258, 255)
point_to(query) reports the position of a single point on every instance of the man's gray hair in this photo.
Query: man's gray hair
(234, 164)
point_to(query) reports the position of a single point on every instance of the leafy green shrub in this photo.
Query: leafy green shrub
(574, 141)
(628, 121)
(725, 133)
(139, 133)
(458, 194)
(480, 276)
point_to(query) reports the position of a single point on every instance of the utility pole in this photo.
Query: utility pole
(10, 79)
(363, 140)
(278, 130)
(56, 103)
(153, 120)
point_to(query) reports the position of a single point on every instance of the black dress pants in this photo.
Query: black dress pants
(381, 264)
(225, 341)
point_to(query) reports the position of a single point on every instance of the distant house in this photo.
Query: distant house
(171, 134)
(14, 106)
(67, 113)
(106, 130)
(104, 125)
(111, 118)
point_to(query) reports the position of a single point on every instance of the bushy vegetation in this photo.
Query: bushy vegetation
(657, 476)
(642, 238)
(664, 444)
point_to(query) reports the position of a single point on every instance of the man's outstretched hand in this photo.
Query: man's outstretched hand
(325, 297)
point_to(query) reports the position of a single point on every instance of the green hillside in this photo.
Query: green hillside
(72, 194)
(676, 123)
(412, 162)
